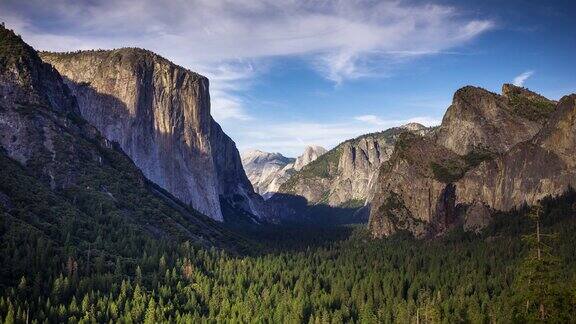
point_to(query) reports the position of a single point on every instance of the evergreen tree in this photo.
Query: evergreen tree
(150, 317)
(537, 285)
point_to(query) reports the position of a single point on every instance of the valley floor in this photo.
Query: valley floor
(312, 275)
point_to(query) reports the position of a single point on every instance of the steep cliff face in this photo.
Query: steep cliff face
(345, 174)
(58, 172)
(414, 190)
(310, 154)
(234, 187)
(494, 162)
(159, 113)
(531, 170)
(479, 119)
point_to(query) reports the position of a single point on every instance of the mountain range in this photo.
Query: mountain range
(492, 152)
(123, 200)
(61, 111)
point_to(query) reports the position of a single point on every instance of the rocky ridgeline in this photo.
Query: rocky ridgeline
(492, 152)
(346, 174)
(159, 113)
(337, 186)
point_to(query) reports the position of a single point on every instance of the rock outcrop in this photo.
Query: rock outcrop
(488, 154)
(338, 186)
(234, 187)
(49, 152)
(543, 166)
(414, 191)
(310, 154)
(159, 113)
(479, 119)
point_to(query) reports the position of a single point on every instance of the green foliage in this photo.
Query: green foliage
(452, 170)
(324, 166)
(11, 48)
(449, 171)
(404, 141)
(539, 296)
(531, 107)
(301, 275)
(353, 203)
(393, 203)
(477, 156)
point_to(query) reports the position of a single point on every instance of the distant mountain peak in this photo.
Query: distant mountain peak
(311, 153)
(413, 127)
(268, 171)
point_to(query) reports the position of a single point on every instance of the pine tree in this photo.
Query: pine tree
(537, 279)
(150, 317)
(10, 316)
(138, 275)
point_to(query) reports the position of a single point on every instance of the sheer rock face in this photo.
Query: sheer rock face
(34, 105)
(159, 113)
(358, 169)
(481, 119)
(359, 164)
(311, 153)
(233, 184)
(477, 217)
(408, 195)
(69, 160)
(489, 153)
(530, 171)
(346, 174)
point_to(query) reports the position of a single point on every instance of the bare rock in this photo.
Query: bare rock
(159, 113)
(491, 152)
(415, 191)
(477, 217)
(346, 175)
(543, 166)
(268, 171)
(479, 119)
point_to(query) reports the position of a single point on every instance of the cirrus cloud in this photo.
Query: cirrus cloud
(520, 79)
(292, 137)
(341, 39)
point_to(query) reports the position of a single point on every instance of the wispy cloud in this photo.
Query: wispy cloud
(387, 123)
(292, 137)
(341, 39)
(227, 83)
(520, 79)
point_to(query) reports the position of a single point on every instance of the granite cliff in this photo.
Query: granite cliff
(60, 177)
(159, 113)
(543, 166)
(485, 156)
(479, 119)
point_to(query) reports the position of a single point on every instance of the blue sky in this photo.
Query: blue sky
(286, 74)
